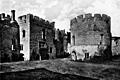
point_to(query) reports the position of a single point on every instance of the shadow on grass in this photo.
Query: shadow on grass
(110, 74)
(40, 74)
(101, 60)
(116, 57)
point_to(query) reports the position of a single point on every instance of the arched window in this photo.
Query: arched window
(95, 27)
(23, 33)
(101, 36)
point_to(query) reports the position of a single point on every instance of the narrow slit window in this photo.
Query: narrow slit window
(13, 44)
(73, 37)
(43, 34)
(23, 33)
(21, 47)
(50, 49)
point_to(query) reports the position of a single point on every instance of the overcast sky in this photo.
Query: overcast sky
(61, 11)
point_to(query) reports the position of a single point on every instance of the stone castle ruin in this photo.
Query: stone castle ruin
(9, 38)
(36, 37)
(90, 36)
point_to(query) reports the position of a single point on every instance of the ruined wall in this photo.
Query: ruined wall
(33, 27)
(9, 39)
(94, 31)
(61, 43)
(37, 36)
(115, 46)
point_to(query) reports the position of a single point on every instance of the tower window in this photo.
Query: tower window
(73, 38)
(95, 28)
(13, 47)
(13, 44)
(101, 36)
(50, 49)
(43, 34)
(23, 33)
(24, 21)
(21, 47)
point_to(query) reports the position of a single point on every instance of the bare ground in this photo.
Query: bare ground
(60, 69)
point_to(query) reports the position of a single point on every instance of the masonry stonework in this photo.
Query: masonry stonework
(9, 38)
(90, 36)
(115, 46)
(36, 36)
(61, 43)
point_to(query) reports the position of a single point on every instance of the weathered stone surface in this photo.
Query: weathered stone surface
(61, 42)
(91, 33)
(9, 39)
(38, 39)
(115, 46)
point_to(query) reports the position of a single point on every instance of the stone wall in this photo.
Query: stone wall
(115, 46)
(88, 30)
(9, 39)
(38, 33)
(61, 43)
(24, 23)
(92, 49)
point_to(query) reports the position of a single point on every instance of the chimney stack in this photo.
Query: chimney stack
(12, 15)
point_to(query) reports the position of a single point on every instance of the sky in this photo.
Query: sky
(62, 11)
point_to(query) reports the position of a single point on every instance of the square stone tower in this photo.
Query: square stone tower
(24, 22)
(36, 37)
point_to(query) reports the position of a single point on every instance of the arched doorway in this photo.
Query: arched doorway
(43, 50)
(73, 55)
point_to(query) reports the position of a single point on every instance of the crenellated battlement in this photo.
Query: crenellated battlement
(91, 34)
(3, 16)
(89, 16)
(8, 17)
(35, 19)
